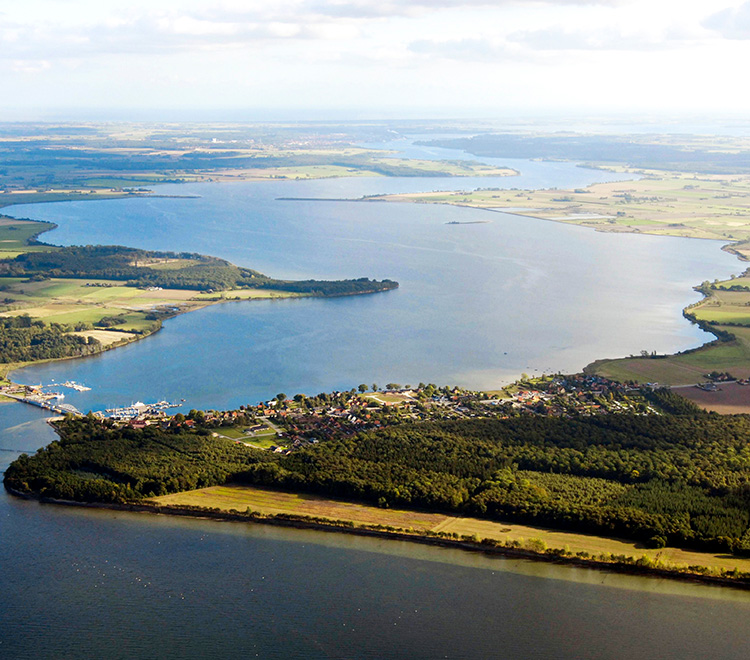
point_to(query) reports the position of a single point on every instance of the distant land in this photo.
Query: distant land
(712, 154)
(58, 162)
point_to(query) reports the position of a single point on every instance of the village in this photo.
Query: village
(283, 425)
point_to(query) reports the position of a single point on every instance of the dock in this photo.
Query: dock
(46, 403)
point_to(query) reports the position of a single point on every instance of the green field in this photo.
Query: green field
(15, 236)
(9, 199)
(683, 369)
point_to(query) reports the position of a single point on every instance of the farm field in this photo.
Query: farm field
(74, 301)
(683, 368)
(730, 399)
(669, 204)
(271, 502)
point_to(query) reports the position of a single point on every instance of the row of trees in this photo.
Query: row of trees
(25, 339)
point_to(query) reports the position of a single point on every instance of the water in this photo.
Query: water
(82, 584)
(478, 305)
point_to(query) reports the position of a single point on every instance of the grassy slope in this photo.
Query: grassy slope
(274, 502)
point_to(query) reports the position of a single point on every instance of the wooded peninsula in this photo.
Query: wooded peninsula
(661, 473)
(59, 302)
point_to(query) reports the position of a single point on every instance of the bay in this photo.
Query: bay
(478, 304)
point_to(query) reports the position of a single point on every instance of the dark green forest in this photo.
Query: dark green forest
(25, 339)
(202, 273)
(680, 479)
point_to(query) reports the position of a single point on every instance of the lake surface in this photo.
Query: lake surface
(478, 304)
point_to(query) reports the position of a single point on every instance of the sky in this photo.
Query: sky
(372, 58)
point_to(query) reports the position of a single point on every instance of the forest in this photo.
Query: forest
(677, 479)
(195, 272)
(23, 339)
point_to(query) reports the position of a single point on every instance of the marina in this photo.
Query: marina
(36, 395)
(138, 410)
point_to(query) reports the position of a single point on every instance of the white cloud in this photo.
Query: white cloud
(610, 38)
(732, 22)
(364, 52)
(30, 66)
(469, 49)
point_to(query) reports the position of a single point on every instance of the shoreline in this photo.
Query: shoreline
(485, 546)
(189, 305)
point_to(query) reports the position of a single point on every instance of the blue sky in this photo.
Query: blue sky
(374, 57)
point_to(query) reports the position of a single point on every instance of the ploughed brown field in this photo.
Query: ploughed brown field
(731, 398)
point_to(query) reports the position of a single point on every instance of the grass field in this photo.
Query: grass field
(35, 197)
(682, 369)
(388, 397)
(672, 204)
(15, 234)
(272, 502)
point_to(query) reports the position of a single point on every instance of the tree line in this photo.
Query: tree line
(200, 273)
(23, 339)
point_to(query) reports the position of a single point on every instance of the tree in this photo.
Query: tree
(374, 387)
(362, 388)
(281, 397)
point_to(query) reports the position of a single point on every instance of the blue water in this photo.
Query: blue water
(79, 583)
(478, 304)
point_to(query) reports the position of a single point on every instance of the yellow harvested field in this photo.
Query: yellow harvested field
(271, 502)
(46, 311)
(106, 337)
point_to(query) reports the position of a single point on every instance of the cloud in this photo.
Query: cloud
(384, 8)
(731, 23)
(169, 26)
(473, 50)
(594, 39)
(30, 66)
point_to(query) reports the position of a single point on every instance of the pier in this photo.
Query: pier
(46, 403)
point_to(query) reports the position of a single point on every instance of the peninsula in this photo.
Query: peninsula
(630, 477)
(62, 302)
